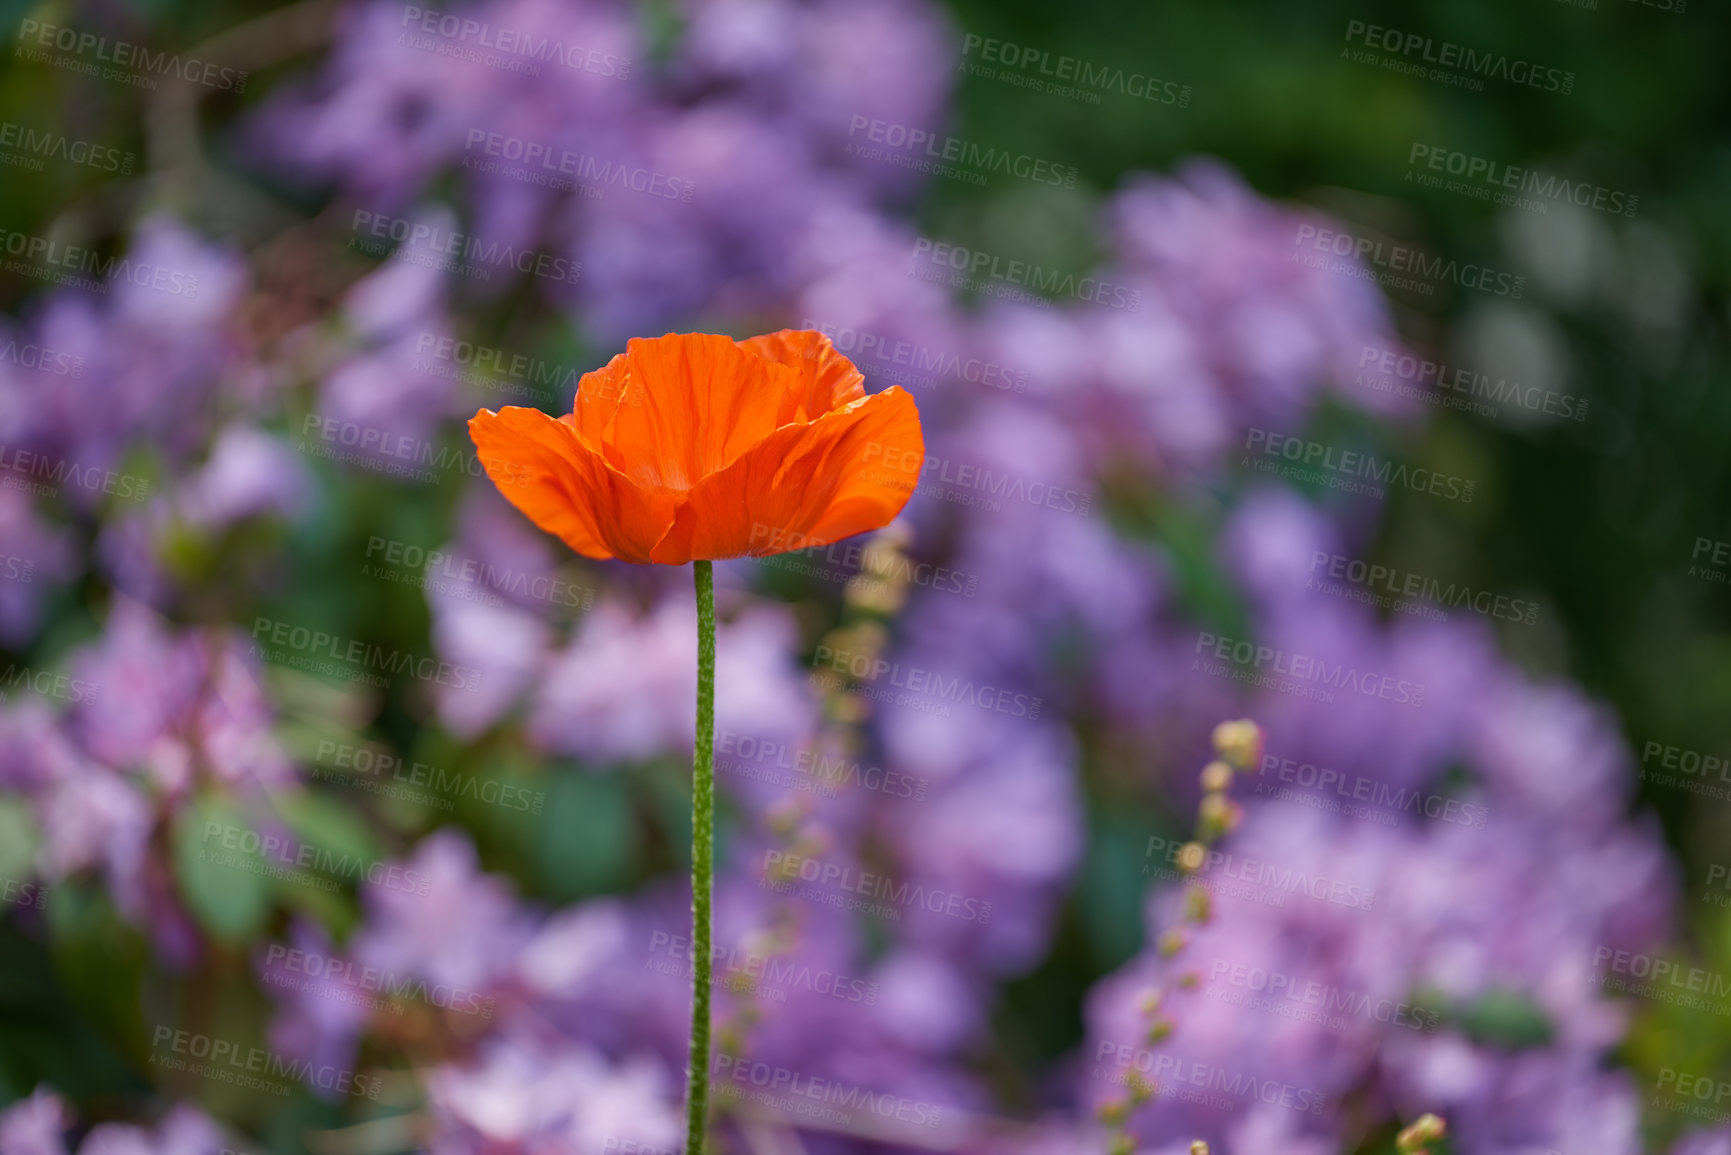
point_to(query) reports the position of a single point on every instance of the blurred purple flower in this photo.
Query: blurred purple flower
(35, 557)
(626, 688)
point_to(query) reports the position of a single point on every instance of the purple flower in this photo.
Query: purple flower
(319, 1019)
(35, 1126)
(993, 846)
(626, 688)
(38, 1125)
(505, 647)
(1715, 1142)
(183, 1131)
(454, 926)
(34, 558)
(522, 1097)
(249, 473)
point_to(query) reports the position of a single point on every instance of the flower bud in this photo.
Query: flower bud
(872, 595)
(880, 557)
(1216, 776)
(1213, 812)
(785, 815)
(1239, 744)
(848, 709)
(1191, 857)
(813, 840)
(1198, 1147)
(1427, 1128)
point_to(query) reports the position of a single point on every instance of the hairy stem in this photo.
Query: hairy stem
(702, 858)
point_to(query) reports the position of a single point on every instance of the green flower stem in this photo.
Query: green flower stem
(702, 858)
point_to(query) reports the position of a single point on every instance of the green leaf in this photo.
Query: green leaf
(591, 834)
(17, 842)
(328, 824)
(99, 961)
(1507, 1019)
(229, 900)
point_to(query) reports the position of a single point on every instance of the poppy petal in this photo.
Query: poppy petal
(563, 484)
(851, 470)
(705, 401)
(599, 394)
(828, 379)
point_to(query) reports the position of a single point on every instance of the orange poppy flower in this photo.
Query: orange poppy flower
(695, 446)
